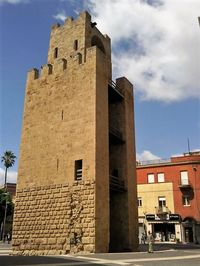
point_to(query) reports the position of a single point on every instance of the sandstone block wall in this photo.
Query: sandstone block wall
(54, 219)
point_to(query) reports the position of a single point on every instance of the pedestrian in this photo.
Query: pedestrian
(8, 237)
(150, 239)
(143, 238)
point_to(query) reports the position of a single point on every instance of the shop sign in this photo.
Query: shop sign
(150, 217)
(174, 217)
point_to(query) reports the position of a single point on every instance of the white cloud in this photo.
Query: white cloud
(146, 156)
(14, 2)
(11, 176)
(156, 46)
(61, 16)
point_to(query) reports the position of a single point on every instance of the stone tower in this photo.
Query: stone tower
(76, 189)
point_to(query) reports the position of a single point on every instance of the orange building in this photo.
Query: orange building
(169, 197)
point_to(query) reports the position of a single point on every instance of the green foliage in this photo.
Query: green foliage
(8, 159)
(5, 198)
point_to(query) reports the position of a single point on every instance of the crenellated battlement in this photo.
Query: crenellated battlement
(60, 65)
(75, 36)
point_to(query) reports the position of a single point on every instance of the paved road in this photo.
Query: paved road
(164, 255)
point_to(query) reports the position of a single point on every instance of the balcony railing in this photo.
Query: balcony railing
(114, 86)
(116, 132)
(116, 184)
(185, 184)
(115, 93)
(162, 210)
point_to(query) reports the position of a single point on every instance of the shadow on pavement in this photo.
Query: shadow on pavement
(38, 260)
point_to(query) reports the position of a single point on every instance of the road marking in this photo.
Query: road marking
(128, 261)
(101, 261)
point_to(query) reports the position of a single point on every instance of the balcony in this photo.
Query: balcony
(162, 210)
(114, 92)
(116, 136)
(185, 184)
(116, 184)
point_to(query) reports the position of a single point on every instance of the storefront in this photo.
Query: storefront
(191, 230)
(164, 228)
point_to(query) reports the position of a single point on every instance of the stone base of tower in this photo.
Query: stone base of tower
(54, 219)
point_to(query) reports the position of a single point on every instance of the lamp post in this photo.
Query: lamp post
(4, 220)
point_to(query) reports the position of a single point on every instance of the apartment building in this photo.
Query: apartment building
(169, 198)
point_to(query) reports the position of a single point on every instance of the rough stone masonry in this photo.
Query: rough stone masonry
(76, 188)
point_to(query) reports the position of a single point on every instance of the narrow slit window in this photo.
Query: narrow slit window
(56, 52)
(64, 64)
(78, 169)
(57, 164)
(76, 45)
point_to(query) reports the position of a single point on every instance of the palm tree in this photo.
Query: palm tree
(8, 159)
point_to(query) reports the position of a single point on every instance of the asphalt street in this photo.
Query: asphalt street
(165, 255)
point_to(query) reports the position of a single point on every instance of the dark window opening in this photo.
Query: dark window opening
(56, 52)
(76, 45)
(62, 115)
(64, 64)
(115, 172)
(78, 169)
(57, 164)
(79, 58)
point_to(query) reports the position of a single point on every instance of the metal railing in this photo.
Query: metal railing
(156, 161)
(116, 183)
(116, 132)
(115, 87)
(185, 184)
(162, 210)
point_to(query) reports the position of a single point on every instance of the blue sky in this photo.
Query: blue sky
(155, 44)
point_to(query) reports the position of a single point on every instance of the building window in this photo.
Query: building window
(150, 178)
(184, 178)
(161, 177)
(76, 45)
(64, 64)
(139, 202)
(186, 200)
(56, 52)
(161, 202)
(78, 169)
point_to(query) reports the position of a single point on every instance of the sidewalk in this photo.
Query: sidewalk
(168, 246)
(5, 248)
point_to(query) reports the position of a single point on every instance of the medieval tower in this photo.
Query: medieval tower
(76, 189)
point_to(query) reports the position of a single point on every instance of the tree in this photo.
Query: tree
(8, 159)
(5, 198)
(6, 206)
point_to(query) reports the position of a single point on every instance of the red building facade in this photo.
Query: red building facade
(184, 174)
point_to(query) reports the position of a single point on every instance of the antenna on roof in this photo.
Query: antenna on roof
(188, 145)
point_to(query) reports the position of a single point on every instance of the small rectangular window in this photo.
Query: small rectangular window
(161, 177)
(184, 178)
(151, 178)
(78, 169)
(76, 45)
(186, 200)
(56, 52)
(161, 202)
(139, 202)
